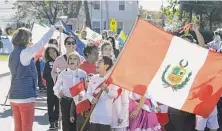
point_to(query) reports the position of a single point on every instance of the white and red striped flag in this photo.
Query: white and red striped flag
(171, 70)
(78, 93)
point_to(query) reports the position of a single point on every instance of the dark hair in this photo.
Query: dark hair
(52, 40)
(187, 36)
(113, 42)
(216, 33)
(88, 49)
(104, 32)
(105, 43)
(47, 57)
(107, 61)
(68, 38)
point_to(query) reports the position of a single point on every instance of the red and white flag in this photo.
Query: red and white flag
(79, 96)
(171, 70)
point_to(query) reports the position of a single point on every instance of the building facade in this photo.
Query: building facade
(102, 11)
(125, 12)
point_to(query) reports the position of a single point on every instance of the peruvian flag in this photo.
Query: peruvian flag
(171, 70)
(78, 93)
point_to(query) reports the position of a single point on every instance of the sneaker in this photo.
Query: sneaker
(56, 124)
(52, 126)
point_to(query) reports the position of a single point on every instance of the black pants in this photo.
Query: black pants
(180, 121)
(99, 127)
(40, 82)
(53, 106)
(65, 109)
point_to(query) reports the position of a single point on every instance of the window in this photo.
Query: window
(120, 27)
(96, 5)
(96, 26)
(121, 5)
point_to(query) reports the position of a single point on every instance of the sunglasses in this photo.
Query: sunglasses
(70, 42)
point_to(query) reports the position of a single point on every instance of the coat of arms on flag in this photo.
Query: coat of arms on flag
(176, 79)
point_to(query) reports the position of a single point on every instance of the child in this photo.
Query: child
(120, 116)
(92, 53)
(101, 117)
(80, 118)
(51, 53)
(142, 114)
(211, 122)
(113, 42)
(107, 50)
(66, 80)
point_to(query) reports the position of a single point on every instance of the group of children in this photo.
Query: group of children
(116, 109)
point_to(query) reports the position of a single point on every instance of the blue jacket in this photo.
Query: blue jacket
(24, 78)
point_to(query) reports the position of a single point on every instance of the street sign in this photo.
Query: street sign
(113, 25)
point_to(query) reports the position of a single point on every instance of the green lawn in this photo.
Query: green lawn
(3, 57)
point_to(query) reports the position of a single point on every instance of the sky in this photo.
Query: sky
(152, 5)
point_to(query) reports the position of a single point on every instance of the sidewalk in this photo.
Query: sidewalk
(4, 70)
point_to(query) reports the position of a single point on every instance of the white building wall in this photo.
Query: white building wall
(106, 12)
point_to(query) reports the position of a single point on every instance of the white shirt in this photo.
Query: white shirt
(67, 79)
(102, 113)
(29, 52)
(121, 110)
(26, 56)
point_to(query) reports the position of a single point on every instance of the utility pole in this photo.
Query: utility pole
(101, 15)
(107, 14)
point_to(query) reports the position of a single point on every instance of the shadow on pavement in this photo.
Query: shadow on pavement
(6, 113)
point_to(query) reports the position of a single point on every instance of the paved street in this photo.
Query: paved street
(6, 120)
(3, 68)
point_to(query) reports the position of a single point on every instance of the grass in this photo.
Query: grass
(3, 57)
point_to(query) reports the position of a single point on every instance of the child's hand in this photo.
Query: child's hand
(72, 119)
(80, 97)
(94, 101)
(60, 94)
(104, 88)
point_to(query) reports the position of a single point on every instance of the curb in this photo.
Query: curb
(4, 74)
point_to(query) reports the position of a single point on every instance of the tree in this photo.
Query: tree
(204, 10)
(49, 10)
(86, 7)
(171, 11)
